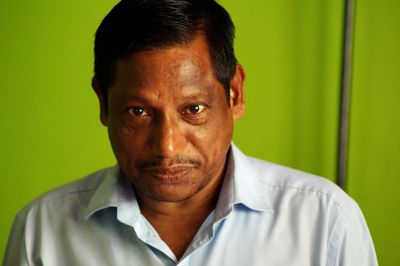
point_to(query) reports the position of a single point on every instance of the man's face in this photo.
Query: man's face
(169, 122)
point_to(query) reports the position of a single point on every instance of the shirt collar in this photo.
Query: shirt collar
(115, 191)
(242, 185)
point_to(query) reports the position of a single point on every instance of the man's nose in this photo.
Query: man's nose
(168, 139)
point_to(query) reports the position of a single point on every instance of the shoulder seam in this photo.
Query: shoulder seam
(308, 190)
(46, 198)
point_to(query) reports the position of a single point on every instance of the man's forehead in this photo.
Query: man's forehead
(194, 49)
(182, 64)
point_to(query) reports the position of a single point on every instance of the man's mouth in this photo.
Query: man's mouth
(170, 174)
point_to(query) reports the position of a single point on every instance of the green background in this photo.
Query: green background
(51, 134)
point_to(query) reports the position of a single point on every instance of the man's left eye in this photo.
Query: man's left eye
(138, 111)
(195, 109)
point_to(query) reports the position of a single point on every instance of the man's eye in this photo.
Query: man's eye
(195, 109)
(137, 111)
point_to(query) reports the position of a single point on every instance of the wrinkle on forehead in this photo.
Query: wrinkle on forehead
(173, 68)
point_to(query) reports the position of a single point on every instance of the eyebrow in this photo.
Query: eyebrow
(192, 94)
(195, 95)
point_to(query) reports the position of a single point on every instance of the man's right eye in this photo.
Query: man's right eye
(137, 111)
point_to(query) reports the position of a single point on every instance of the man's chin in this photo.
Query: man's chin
(171, 195)
(171, 187)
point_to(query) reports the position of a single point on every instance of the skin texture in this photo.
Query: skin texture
(170, 127)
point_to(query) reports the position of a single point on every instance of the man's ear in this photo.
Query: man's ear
(236, 93)
(102, 99)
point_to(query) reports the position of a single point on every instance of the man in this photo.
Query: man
(169, 89)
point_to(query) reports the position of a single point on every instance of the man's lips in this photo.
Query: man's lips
(170, 173)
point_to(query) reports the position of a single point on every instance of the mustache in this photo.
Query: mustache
(163, 162)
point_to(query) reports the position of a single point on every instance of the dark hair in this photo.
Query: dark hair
(134, 26)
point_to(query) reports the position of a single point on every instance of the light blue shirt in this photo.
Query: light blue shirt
(266, 214)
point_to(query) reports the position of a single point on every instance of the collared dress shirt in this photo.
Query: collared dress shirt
(266, 214)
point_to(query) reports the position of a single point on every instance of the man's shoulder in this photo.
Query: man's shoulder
(284, 182)
(79, 190)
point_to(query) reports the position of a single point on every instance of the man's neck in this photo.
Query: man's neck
(178, 222)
